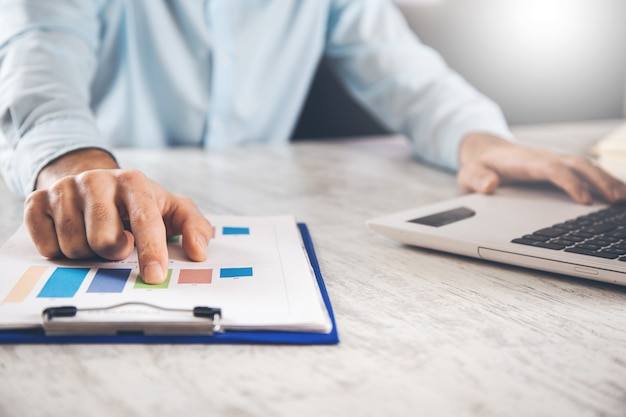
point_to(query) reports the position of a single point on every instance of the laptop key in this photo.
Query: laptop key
(563, 241)
(617, 251)
(582, 251)
(550, 245)
(588, 246)
(536, 237)
(600, 228)
(523, 241)
(573, 238)
(551, 232)
(619, 233)
(599, 241)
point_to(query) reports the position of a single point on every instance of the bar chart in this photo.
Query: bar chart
(65, 282)
(255, 270)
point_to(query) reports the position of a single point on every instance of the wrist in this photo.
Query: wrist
(73, 163)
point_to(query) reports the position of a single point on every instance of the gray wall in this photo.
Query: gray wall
(541, 60)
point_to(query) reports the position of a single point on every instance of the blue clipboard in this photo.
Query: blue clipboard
(227, 337)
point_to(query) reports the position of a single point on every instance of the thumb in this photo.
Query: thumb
(183, 217)
(478, 178)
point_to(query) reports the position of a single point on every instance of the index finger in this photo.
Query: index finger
(146, 223)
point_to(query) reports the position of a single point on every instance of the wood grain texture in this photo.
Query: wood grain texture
(422, 333)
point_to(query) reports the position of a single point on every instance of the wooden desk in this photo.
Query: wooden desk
(422, 333)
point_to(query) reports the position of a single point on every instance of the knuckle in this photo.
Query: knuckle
(91, 178)
(140, 216)
(106, 246)
(132, 178)
(76, 253)
(63, 184)
(61, 192)
(186, 201)
(149, 250)
(36, 203)
(72, 238)
(76, 249)
(577, 163)
(554, 169)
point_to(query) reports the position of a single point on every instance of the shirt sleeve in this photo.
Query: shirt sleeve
(406, 85)
(47, 61)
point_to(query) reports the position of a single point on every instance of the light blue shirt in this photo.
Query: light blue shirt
(213, 73)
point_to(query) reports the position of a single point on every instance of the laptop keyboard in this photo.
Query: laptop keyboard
(601, 234)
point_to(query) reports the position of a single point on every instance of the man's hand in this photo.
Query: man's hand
(487, 161)
(82, 201)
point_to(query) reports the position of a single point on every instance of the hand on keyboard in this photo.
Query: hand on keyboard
(487, 161)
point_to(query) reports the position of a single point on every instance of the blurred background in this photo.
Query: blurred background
(543, 61)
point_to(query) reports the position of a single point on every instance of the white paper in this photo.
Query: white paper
(260, 276)
(610, 152)
(613, 144)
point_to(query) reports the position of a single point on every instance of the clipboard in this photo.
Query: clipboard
(207, 332)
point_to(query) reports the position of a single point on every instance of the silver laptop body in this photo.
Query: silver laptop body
(483, 227)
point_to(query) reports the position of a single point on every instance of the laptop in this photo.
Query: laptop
(539, 228)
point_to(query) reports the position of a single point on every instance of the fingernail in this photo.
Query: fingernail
(153, 273)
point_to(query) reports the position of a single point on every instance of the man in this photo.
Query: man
(78, 78)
